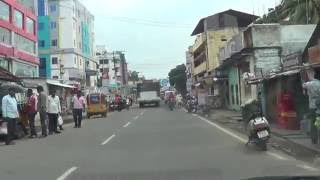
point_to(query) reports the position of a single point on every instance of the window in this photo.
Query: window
(53, 8)
(30, 25)
(42, 43)
(18, 19)
(24, 44)
(54, 60)
(80, 62)
(40, 26)
(54, 42)
(101, 61)
(232, 95)
(106, 61)
(4, 11)
(79, 45)
(5, 36)
(75, 60)
(42, 63)
(101, 70)
(53, 25)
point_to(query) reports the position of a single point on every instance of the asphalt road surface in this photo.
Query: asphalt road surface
(141, 144)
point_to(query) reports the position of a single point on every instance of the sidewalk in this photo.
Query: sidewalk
(293, 142)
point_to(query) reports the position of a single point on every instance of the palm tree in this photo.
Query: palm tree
(300, 11)
(295, 12)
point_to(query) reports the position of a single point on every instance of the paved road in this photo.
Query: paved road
(139, 144)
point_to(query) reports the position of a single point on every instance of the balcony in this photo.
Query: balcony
(200, 69)
(199, 42)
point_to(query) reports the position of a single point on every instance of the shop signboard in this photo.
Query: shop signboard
(314, 54)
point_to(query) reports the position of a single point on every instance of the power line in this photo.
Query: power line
(145, 22)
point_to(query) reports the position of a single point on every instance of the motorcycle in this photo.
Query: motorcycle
(257, 125)
(259, 133)
(171, 104)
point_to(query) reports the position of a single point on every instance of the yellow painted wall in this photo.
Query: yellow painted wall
(214, 43)
(199, 69)
(200, 39)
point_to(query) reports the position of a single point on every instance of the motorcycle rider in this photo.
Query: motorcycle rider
(171, 98)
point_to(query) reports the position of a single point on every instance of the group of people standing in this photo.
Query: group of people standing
(48, 107)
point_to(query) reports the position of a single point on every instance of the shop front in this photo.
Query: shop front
(24, 69)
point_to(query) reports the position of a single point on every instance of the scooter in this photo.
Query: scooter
(259, 132)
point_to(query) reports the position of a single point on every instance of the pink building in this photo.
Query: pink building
(18, 39)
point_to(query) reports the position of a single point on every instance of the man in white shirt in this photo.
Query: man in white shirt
(54, 109)
(10, 114)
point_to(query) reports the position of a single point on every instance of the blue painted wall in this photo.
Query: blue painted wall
(44, 52)
(85, 38)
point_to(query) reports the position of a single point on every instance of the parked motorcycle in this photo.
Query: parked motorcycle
(259, 132)
(256, 124)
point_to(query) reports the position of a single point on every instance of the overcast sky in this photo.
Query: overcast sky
(156, 33)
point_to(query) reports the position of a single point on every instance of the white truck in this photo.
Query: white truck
(149, 93)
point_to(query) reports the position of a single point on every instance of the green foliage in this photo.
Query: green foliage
(133, 76)
(178, 78)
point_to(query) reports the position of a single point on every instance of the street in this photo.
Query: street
(148, 143)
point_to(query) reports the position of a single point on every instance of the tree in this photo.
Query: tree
(178, 78)
(298, 12)
(133, 76)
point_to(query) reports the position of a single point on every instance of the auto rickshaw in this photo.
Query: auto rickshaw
(96, 105)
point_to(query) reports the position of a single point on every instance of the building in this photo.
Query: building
(189, 65)
(269, 52)
(113, 70)
(66, 42)
(18, 38)
(212, 33)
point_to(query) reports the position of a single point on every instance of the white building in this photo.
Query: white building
(72, 43)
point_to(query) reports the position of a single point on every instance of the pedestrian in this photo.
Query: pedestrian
(10, 114)
(54, 110)
(78, 107)
(42, 109)
(313, 90)
(31, 110)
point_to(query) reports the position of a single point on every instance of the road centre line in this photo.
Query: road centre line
(108, 140)
(241, 139)
(141, 113)
(67, 173)
(126, 125)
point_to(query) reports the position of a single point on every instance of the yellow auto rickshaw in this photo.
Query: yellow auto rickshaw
(96, 105)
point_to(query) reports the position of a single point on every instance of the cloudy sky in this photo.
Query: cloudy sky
(156, 33)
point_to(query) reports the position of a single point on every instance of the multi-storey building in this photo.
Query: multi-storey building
(18, 37)
(112, 67)
(66, 42)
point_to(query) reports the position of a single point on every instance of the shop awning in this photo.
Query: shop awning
(59, 84)
(285, 73)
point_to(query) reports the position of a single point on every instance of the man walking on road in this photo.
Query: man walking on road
(42, 109)
(54, 109)
(10, 114)
(78, 107)
(31, 109)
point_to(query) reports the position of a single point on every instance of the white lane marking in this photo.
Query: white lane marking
(276, 156)
(67, 173)
(141, 113)
(241, 139)
(108, 140)
(135, 118)
(126, 125)
(221, 128)
(306, 167)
